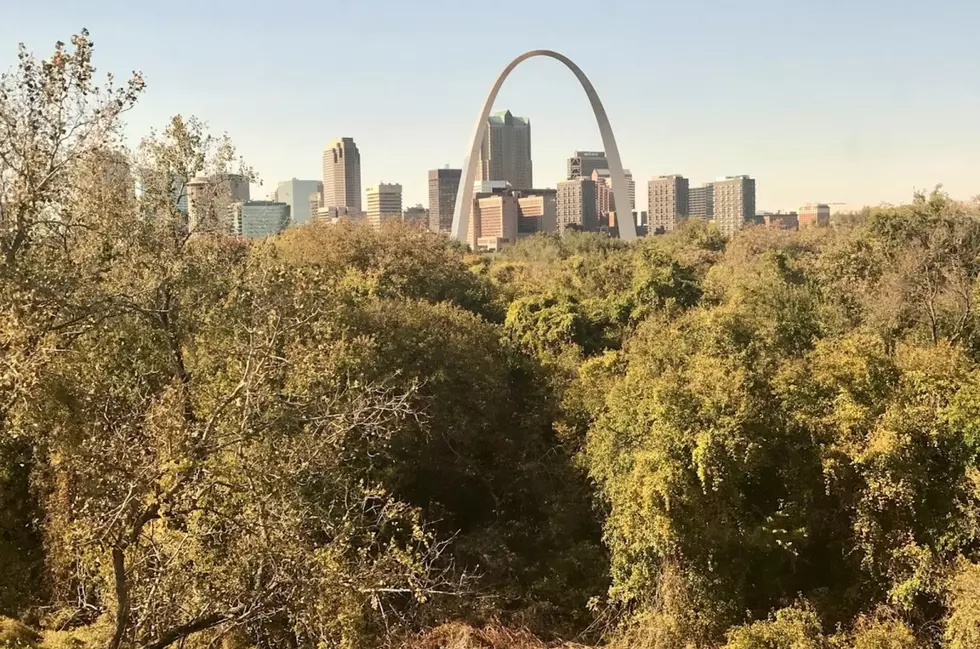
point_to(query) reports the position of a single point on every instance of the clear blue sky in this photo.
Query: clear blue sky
(834, 100)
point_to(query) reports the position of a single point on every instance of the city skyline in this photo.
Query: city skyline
(838, 121)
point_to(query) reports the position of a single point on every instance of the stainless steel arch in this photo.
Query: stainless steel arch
(464, 197)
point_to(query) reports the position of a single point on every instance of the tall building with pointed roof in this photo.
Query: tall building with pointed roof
(506, 151)
(342, 175)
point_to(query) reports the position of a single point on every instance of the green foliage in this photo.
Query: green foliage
(788, 628)
(963, 623)
(16, 635)
(880, 632)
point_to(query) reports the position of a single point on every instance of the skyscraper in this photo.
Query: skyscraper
(506, 150)
(342, 175)
(667, 202)
(576, 205)
(734, 203)
(384, 201)
(583, 163)
(443, 185)
(296, 194)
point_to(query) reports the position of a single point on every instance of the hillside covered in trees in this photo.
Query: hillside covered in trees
(340, 437)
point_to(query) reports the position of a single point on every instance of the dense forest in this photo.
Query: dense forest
(340, 437)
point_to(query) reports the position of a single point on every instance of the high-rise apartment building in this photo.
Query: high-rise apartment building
(208, 199)
(583, 163)
(342, 175)
(257, 219)
(701, 202)
(667, 202)
(443, 186)
(734, 203)
(576, 205)
(506, 150)
(814, 215)
(384, 201)
(296, 194)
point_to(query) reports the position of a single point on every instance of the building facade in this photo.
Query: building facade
(342, 175)
(603, 193)
(384, 201)
(494, 222)
(630, 187)
(778, 220)
(814, 215)
(701, 202)
(576, 205)
(537, 211)
(506, 150)
(258, 219)
(734, 203)
(605, 201)
(667, 202)
(583, 163)
(296, 194)
(443, 187)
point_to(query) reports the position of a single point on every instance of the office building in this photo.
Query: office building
(384, 201)
(701, 202)
(493, 223)
(258, 219)
(814, 215)
(443, 186)
(583, 163)
(208, 199)
(342, 175)
(667, 202)
(537, 211)
(734, 203)
(576, 205)
(506, 150)
(296, 194)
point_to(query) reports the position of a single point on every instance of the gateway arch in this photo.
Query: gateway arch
(464, 197)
